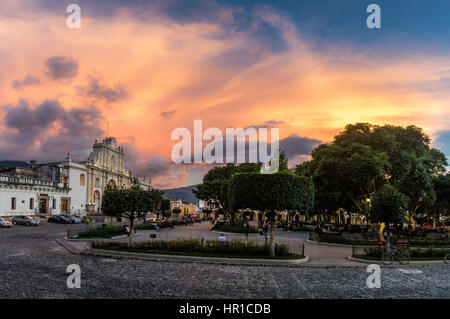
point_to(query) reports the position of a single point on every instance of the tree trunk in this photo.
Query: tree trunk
(131, 239)
(388, 248)
(272, 236)
(380, 232)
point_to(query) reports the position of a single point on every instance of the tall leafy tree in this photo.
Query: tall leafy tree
(165, 208)
(271, 193)
(214, 188)
(364, 157)
(389, 207)
(127, 203)
(156, 196)
(441, 207)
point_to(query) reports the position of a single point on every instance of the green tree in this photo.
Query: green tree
(214, 188)
(127, 203)
(389, 207)
(364, 157)
(271, 193)
(157, 201)
(176, 211)
(165, 208)
(441, 207)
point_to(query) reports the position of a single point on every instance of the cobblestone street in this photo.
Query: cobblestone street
(33, 265)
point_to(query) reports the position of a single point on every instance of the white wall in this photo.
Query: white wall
(77, 192)
(23, 201)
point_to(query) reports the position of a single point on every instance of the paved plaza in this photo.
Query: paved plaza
(33, 265)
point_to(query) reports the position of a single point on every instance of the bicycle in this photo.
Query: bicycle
(447, 258)
(400, 256)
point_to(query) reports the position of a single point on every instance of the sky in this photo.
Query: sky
(308, 67)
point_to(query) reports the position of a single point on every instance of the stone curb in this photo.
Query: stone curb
(412, 263)
(69, 248)
(335, 245)
(195, 259)
(100, 239)
(240, 234)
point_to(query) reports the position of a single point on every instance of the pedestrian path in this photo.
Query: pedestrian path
(318, 254)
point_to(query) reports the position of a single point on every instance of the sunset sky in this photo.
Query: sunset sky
(308, 67)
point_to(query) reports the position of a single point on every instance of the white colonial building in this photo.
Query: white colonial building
(67, 186)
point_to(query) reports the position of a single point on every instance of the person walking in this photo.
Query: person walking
(127, 230)
(265, 231)
(246, 229)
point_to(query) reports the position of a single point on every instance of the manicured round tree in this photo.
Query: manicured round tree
(176, 211)
(271, 193)
(165, 208)
(388, 206)
(127, 203)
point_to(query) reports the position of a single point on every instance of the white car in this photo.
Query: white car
(4, 223)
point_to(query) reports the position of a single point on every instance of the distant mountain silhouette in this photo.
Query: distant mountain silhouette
(14, 164)
(183, 193)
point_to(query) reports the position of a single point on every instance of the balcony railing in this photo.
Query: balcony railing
(21, 180)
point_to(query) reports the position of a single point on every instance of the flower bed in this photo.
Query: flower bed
(199, 247)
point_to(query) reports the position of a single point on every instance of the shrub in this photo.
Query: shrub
(234, 248)
(107, 231)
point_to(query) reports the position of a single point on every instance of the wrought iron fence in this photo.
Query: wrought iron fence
(211, 246)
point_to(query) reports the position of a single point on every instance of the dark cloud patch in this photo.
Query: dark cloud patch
(295, 145)
(48, 131)
(62, 68)
(100, 91)
(168, 114)
(158, 166)
(268, 124)
(29, 80)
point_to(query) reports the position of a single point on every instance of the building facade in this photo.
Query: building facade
(187, 209)
(66, 186)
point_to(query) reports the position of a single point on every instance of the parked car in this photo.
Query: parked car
(4, 223)
(82, 220)
(73, 219)
(26, 220)
(59, 220)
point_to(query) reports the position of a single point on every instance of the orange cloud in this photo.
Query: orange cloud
(225, 77)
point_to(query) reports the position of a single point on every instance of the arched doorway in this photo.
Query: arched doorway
(97, 201)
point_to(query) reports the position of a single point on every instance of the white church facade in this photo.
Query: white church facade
(66, 186)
